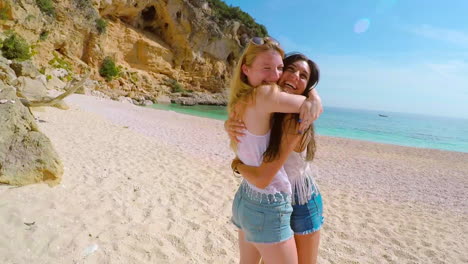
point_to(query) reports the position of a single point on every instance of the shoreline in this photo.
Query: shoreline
(318, 128)
(145, 186)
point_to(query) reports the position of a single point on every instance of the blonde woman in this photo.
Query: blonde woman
(263, 212)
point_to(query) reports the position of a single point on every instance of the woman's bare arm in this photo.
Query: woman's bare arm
(273, 100)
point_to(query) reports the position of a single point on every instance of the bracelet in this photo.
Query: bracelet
(234, 165)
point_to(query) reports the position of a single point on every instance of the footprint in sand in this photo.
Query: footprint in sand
(160, 255)
(343, 235)
(178, 244)
(193, 225)
(426, 244)
(229, 234)
(384, 231)
(170, 214)
(396, 242)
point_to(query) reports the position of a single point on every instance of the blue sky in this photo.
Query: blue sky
(389, 55)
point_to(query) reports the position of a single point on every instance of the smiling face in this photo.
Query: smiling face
(295, 77)
(266, 68)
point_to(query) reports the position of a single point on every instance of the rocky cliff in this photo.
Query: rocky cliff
(159, 46)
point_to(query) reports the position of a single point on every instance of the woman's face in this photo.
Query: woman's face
(295, 77)
(266, 68)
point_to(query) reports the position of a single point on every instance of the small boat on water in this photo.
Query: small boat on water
(383, 115)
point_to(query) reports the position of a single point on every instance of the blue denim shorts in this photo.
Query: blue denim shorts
(308, 218)
(265, 220)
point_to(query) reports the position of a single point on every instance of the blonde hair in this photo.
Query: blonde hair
(241, 93)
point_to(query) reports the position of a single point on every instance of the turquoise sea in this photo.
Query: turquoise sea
(393, 128)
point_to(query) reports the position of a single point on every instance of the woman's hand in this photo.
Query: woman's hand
(310, 110)
(234, 129)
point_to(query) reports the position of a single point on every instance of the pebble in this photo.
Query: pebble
(4, 101)
(90, 250)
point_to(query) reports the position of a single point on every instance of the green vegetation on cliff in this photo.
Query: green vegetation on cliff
(176, 87)
(60, 63)
(108, 69)
(86, 8)
(4, 12)
(224, 12)
(46, 6)
(101, 25)
(16, 47)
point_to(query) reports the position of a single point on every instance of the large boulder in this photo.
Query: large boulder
(199, 98)
(184, 101)
(163, 99)
(125, 99)
(7, 74)
(54, 83)
(30, 89)
(26, 155)
(88, 86)
(25, 68)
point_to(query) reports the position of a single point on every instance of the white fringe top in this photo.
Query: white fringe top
(301, 175)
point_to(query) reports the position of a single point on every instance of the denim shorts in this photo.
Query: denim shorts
(262, 220)
(308, 218)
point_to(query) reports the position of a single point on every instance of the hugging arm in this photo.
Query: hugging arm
(262, 176)
(310, 110)
(276, 101)
(273, 100)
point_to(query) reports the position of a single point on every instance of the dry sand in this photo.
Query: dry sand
(149, 186)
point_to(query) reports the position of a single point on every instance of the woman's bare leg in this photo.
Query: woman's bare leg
(248, 252)
(278, 253)
(307, 247)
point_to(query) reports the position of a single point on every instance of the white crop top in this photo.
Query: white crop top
(250, 151)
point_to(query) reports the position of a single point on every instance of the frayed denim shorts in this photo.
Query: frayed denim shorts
(264, 218)
(308, 218)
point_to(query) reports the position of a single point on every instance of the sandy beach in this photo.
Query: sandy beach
(151, 186)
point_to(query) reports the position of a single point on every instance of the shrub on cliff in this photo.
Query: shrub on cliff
(224, 12)
(16, 47)
(83, 3)
(61, 63)
(46, 6)
(44, 34)
(101, 25)
(4, 12)
(108, 69)
(176, 87)
(86, 8)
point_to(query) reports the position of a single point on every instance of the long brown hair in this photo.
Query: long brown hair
(280, 124)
